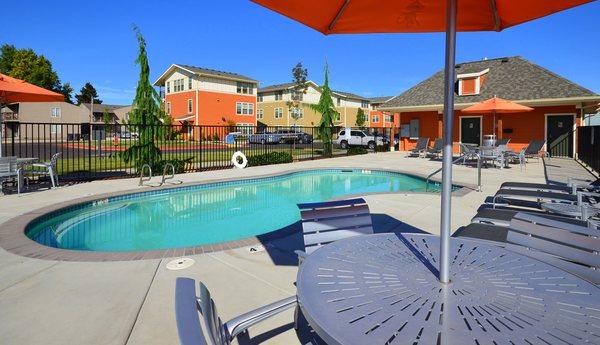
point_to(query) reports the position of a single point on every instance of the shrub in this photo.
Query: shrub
(179, 164)
(215, 137)
(357, 150)
(382, 148)
(270, 158)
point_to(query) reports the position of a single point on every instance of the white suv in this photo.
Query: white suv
(356, 137)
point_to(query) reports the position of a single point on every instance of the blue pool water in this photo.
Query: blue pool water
(204, 214)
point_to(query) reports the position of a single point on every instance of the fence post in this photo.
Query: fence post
(90, 149)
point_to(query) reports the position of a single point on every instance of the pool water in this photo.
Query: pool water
(205, 214)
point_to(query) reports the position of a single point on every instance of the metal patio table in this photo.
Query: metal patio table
(384, 289)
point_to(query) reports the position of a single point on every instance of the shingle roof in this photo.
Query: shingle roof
(350, 95)
(513, 78)
(380, 99)
(99, 108)
(216, 73)
(276, 87)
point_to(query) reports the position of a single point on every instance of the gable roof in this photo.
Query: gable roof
(513, 78)
(350, 95)
(286, 86)
(380, 99)
(201, 71)
(99, 108)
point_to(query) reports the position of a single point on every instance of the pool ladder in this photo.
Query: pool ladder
(145, 180)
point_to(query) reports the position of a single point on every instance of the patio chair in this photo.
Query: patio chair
(47, 169)
(503, 216)
(326, 222)
(494, 155)
(502, 142)
(468, 152)
(420, 149)
(515, 196)
(199, 323)
(10, 171)
(569, 247)
(436, 150)
(571, 188)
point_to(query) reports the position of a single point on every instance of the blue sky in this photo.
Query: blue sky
(93, 41)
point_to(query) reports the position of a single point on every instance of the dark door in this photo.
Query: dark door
(560, 135)
(470, 130)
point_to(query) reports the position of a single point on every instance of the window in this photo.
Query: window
(357, 134)
(297, 95)
(244, 88)
(178, 85)
(259, 98)
(168, 87)
(190, 106)
(375, 118)
(364, 104)
(260, 113)
(338, 117)
(279, 96)
(339, 101)
(55, 112)
(243, 108)
(169, 108)
(54, 129)
(278, 113)
(388, 118)
(297, 113)
(342, 133)
(189, 83)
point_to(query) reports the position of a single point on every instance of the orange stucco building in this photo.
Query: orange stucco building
(199, 96)
(558, 106)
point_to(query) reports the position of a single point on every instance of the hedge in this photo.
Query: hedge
(270, 158)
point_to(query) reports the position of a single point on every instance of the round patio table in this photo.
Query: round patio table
(569, 209)
(383, 289)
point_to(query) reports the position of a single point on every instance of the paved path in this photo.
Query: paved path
(558, 170)
(52, 302)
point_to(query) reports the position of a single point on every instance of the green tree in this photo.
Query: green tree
(360, 118)
(67, 90)
(145, 114)
(25, 64)
(328, 113)
(7, 53)
(299, 79)
(86, 93)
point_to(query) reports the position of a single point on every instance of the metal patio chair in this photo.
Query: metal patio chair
(198, 322)
(47, 169)
(10, 171)
(420, 149)
(468, 152)
(326, 222)
(570, 247)
(436, 150)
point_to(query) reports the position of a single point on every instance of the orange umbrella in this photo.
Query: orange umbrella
(369, 16)
(16, 90)
(496, 105)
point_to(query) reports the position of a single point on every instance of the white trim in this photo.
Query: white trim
(574, 129)
(158, 81)
(472, 75)
(460, 118)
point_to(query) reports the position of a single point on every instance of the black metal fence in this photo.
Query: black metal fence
(588, 146)
(93, 151)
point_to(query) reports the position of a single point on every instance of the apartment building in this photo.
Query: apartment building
(379, 118)
(201, 96)
(273, 106)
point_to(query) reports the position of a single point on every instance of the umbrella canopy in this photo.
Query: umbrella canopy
(496, 105)
(371, 16)
(15, 90)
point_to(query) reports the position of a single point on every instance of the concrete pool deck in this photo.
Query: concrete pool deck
(131, 302)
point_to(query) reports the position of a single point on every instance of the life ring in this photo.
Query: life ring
(236, 163)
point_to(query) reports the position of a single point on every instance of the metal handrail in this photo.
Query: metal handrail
(165, 178)
(462, 156)
(142, 180)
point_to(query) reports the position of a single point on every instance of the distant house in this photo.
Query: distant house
(202, 96)
(117, 113)
(379, 118)
(559, 105)
(55, 120)
(273, 108)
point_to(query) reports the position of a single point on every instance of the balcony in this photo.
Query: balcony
(10, 117)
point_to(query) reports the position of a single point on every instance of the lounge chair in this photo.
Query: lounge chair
(199, 323)
(512, 196)
(533, 150)
(436, 150)
(502, 143)
(572, 188)
(10, 171)
(503, 216)
(569, 247)
(420, 149)
(326, 222)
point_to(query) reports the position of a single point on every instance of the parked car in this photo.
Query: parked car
(128, 135)
(355, 137)
(264, 138)
(289, 135)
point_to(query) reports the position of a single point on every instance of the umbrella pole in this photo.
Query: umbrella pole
(449, 80)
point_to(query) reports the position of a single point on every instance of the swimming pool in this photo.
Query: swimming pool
(208, 213)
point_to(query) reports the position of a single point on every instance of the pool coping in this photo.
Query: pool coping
(14, 240)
